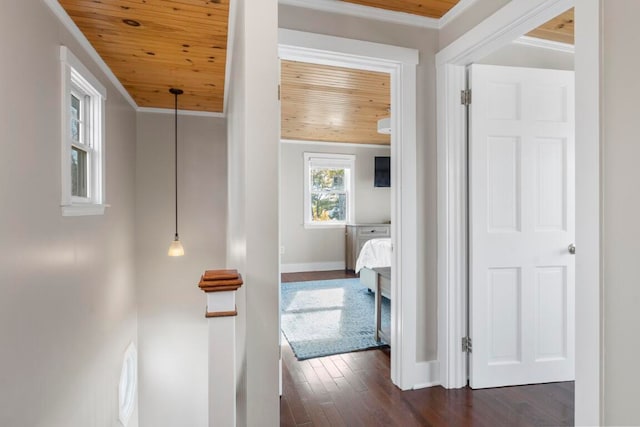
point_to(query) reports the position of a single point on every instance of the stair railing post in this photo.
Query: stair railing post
(220, 287)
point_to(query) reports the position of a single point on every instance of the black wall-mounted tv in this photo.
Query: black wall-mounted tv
(382, 176)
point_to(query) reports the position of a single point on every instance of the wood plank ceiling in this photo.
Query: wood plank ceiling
(428, 8)
(333, 104)
(559, 29)
(153, 45)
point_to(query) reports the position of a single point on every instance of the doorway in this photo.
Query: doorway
(504, 26)
(400, 64)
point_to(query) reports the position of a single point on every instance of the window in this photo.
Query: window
(83, 99)
(328, 189)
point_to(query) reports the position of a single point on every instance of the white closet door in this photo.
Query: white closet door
(522, 210)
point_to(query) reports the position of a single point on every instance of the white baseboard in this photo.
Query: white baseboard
(312, 266)
(427, 374)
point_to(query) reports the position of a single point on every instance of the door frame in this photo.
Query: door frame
(401, 64)
(514, 19)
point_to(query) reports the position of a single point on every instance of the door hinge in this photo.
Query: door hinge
(465, 97)
(466, 345)
(278, 92)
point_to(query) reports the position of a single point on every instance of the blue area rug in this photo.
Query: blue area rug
(327, 317)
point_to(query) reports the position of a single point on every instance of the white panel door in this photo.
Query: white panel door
(522, 210)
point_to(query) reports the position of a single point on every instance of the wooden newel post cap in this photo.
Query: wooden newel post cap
(220, 281)
(220, 287)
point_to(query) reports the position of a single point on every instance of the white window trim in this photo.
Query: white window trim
(76, 76)
(340, 160)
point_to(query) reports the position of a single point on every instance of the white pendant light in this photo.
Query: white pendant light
(384, 126)
(176, 249)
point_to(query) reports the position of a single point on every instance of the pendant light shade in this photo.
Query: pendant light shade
(176, 249)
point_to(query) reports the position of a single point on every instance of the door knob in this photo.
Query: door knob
(572, 249)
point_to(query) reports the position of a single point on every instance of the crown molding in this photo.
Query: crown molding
(456, 10)
(68, 23)
(335, 144)
(545, 44)
(180, 112)
(378, 14)
(321, 49)
(231, 31)
(351, 9)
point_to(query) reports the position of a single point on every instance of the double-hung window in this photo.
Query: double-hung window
(83, 99)
(328, 191)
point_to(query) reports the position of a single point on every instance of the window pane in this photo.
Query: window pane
(75, 118)
(75, 130)
(78, 172)
(328, 207)
(326, 179)
(75, 107)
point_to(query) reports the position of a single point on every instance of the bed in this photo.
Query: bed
(375, 253)
(374, 266)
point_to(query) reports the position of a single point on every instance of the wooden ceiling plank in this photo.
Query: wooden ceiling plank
(152, 21)
(346, 96)
(188, 5)
(333, 104)
(191, 90)
(168, 99)
(208, 47)
(154, 9)
(193, 104)
(179, 43)
(158, 29)
(161, 99)
(173, 62)
(560, 29)
(338, 84)
(349, 95)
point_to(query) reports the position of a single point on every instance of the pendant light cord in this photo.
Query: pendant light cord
(176, 249)
(176, 159)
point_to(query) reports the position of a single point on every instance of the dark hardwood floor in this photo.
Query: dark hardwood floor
(354, 389)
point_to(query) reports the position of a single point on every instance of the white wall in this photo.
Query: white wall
(67, 285)
(372, 205)
(426, 41)
(518, 55)
(621, 210)
(173, 332)
(236, 234)
(253, 241)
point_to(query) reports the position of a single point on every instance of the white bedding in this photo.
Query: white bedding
(375, 253)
